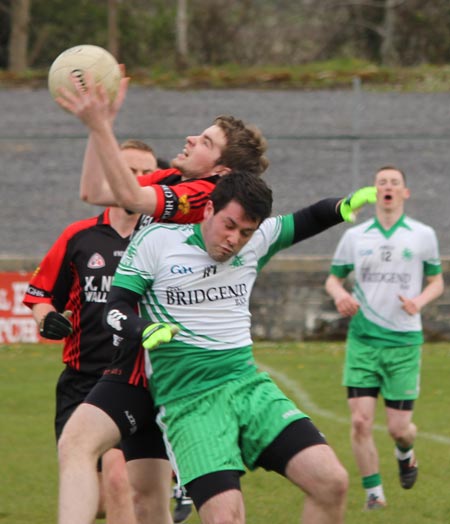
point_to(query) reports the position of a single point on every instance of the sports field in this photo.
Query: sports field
(308, 372)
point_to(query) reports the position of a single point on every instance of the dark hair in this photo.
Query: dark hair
(248, 190)
(245, 148)
(393, 168)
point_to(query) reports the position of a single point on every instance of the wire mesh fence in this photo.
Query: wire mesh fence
(320, 144)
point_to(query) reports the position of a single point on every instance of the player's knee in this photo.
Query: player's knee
(401, 432)
(142, 497)
(332, 489)
(339, 481)
(74, 446)
(67, 447)
(149, 501)
(223, 515)
(361, 425)
(116, 482)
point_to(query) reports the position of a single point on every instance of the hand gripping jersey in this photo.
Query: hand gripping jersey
(387, 264)
(179, 283)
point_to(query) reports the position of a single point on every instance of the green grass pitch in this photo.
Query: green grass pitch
(310, 373)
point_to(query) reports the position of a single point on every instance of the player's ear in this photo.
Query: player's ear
(208, 210)
(222, 170)
(406, 193)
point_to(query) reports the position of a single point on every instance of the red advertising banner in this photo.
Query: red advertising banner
(16, 321)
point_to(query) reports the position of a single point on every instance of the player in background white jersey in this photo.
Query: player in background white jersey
(389, 256)
(218, 413)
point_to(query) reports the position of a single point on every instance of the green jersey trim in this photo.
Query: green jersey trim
(285, 231)
(341, 271)
(431, 269)
(134, 283)
(196, 239)
(377, 336)
(387, 233)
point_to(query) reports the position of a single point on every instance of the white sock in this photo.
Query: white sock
(403, 455)
(377, 491)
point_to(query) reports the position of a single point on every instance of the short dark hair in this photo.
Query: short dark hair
(393, 168)
(248, 190)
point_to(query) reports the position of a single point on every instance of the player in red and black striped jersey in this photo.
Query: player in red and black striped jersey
(112, 409)
(75, 276)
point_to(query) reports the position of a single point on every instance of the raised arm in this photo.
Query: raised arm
(94, 186)
(103, 159)
(124, 186)
(328, 212)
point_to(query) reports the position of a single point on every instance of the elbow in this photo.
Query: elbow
(84, 196)
(439, 285)
(328, 284)
(87, 197)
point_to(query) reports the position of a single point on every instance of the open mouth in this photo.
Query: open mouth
(183, 153)
(388, 197)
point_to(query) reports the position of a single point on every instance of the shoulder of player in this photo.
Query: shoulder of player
(417, 225)
(78, 227)
(171, 178)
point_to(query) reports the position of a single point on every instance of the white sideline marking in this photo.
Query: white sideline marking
(309, 406)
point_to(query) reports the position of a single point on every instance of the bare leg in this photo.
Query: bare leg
(362, 411)
(88, 434)
(116, 487)
(224, 508)
(400, 426)
(150, 481)
(318, 472)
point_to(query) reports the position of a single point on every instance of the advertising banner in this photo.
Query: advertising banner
(17, 324)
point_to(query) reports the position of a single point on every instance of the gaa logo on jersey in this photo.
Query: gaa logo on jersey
(96, 261)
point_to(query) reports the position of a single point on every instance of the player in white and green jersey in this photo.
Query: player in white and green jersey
(220, 415)
(389, 255)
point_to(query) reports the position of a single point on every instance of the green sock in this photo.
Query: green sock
(371, 481)
(403, 454)
(403, 450)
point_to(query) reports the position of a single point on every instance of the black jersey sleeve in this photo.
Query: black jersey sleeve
(314, 219)
(120, 316)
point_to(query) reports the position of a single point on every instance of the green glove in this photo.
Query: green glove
(351, 205)
(156, 334)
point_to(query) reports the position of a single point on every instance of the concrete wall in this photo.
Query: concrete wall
(289, 302)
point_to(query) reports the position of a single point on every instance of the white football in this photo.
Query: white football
(74, 62)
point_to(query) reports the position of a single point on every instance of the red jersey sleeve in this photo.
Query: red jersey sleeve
(180, 201)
